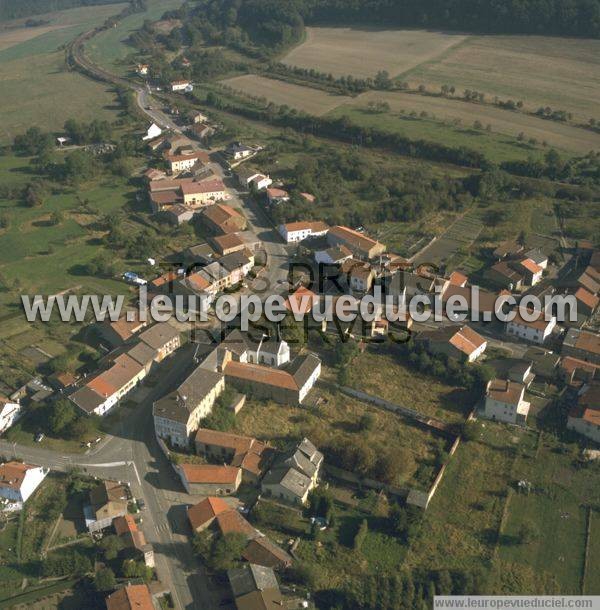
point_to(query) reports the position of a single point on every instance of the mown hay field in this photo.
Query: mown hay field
(563, 73)
(558, 135)
(313, 101)
(363, 52)
(35, 86)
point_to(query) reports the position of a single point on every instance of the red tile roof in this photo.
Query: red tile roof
(587, 298)
(260, 374)
(204, 512)
(131, 597)
(12, 474)
(531, 266)
(209, 473)
(458, 279)
(124, 525)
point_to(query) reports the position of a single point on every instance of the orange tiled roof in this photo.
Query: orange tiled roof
(12, 474)
(458, 279)
(231, 522)
(467, 340)
(124, 525)
(301, 301)
(531, 266)
(131, 597)
(356, 239)
(204, 512)
(587, 298)
(260, 374)
(209, 473)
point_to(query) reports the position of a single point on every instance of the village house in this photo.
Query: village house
(520, 371)
(301, 301)
(203, 514)
(531, 271)
(228, 243)
(293, 232)
(503, 274)
(504, 402)
(576, 372)
(108, 500)
(275, 196)
(202, 131)
(294, 474)
(131, 597)
(460, 343)
(206, 192)
(361, 277)
(508, 249)
(153, 132)
(179, 214)
(333, 256)
(255, 587)
(222, 219)
(180, 85)
(587, 303)
(589, 280)
(215, 513)
(200, 254)
(288, 386)
(538, 257)
(18, 480)
(536, 331)
(209, 480)
(126, 528)
(456, 278)
(177, 415)
(242, 452)
(584, 417)
(238, 265)
(185, 161)
(360, 245)
(102, 392)
(10, 412)
(154, 174)
(260, 182)
(163, 338)
(266, 350)
(238, 151)
(582, 344)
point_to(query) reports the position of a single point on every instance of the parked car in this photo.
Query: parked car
(141, 504)
(39, 437)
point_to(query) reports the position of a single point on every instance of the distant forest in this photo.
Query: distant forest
(15, 9)
(277, 23)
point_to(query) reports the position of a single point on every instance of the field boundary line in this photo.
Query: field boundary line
(586, 553)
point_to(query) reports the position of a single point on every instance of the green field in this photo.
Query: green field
(592, 581)
(557, 510)
(110, 50)
(37, 89)
(496, 147)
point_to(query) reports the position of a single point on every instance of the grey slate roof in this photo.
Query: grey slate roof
(178, 405)
(250, 578)
(302, 367)
(159, 335)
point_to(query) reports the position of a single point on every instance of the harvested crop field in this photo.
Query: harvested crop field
(313, 101)
(9, 38)
(563, 73)
(559, 135)
(363, 52)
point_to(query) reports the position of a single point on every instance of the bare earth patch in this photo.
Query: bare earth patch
(363, 52)
(560, 135)
(313, 101)
(563, 73)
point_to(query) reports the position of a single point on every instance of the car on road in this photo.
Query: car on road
(141, 504)
(39, 437)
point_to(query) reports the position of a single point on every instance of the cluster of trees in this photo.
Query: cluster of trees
(221, 417)
(471, 376)
(546, 112)
(363, 459)
(407, 590)
(88, 133)
(220, 552)
(359, 191)
(64, 420)
(66, 562)
(349, 85)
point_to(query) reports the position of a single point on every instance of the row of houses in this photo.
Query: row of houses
(126, 367)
